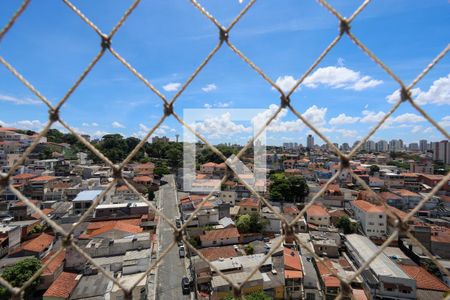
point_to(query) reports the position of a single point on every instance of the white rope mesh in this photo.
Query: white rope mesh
(223, 39)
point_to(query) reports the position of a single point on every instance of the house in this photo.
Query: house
(120, 210)
(333, 196)
(326, 243)
(383, 278)
(371, 217)
(318, 215)
(220, 237)
(53, 270)
(392, 199)
(84, 200)
(273, 222)
(249, 206)
(428, 285)
(62, 287)
(144, 169)
(111, 229)
(293, 273)
(21, 211)
(215, 253)
(410, 199)
(39, 246)
(38, 187)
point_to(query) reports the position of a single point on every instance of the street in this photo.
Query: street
(171, 269)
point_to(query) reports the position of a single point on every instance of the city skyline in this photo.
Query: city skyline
(344, 97)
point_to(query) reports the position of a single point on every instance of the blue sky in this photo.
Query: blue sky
(166, 40)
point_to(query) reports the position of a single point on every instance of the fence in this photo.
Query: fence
(223, 39)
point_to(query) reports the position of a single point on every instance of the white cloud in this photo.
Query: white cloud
(34, 125)
(438, 93)
(209, 88)
(20, 101)
(445, 121)
(93, 124)
(340, 77)
(172, 87)
(116, 124)
(343, 119)
(219, 104)
(347, 132)
(286, 83)
(421, 129)
(315, 115)
(371, 116)
(219, 126)
(407, 118)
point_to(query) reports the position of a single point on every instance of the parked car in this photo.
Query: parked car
(185, 286)
(178, 222)
(182, 251)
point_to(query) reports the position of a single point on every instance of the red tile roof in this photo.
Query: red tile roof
(367, 206)
(38, 244)
(292, 259)
(54, 264)
(215, 235)
(62, 286)
(122, 188)
(114, 225)
(317, 210)
(23, 176)
(46, 212)
(142, 178)
(43, 178)
(424, 279)
(252, 202)
(214, 253)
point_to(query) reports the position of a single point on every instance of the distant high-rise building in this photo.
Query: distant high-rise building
(382, 146)
(310, 141)
(413, 147)
(395, 145)
(369, 146)
(345, 147)
(423, 145)
(441, 151)
(162, 139)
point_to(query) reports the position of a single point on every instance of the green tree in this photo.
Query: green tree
(249, 250)
(243, 224)
(161, 169)
(252, 223)
(151, 196)
(18, 274)
(374, 169)
(259, 295)
(346, 225)
(298, 189)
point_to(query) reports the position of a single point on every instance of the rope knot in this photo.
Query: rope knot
(117, 172)
(345, 162)
(53, 115)
(106, 42)
(344, 26)
(405, 94)
(223, 35)
(168, 109)
(285, 100)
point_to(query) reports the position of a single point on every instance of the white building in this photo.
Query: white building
(382, 146)
(383, 278)
(310, 141)
(371, 217)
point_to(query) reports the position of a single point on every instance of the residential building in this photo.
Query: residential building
(318, 215)
(384, 279)
(371, 217)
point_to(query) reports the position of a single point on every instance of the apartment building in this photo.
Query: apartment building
(371, 217)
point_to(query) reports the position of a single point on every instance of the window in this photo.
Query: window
(310, 296)
(380, 216)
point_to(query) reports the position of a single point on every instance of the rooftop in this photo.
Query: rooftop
(218, 234)
(367, 206)
(89, 195)
(317, 210)
(62, 286)
(424, 279)
(364, 248)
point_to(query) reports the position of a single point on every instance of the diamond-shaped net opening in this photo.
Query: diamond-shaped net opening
(224, 39)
